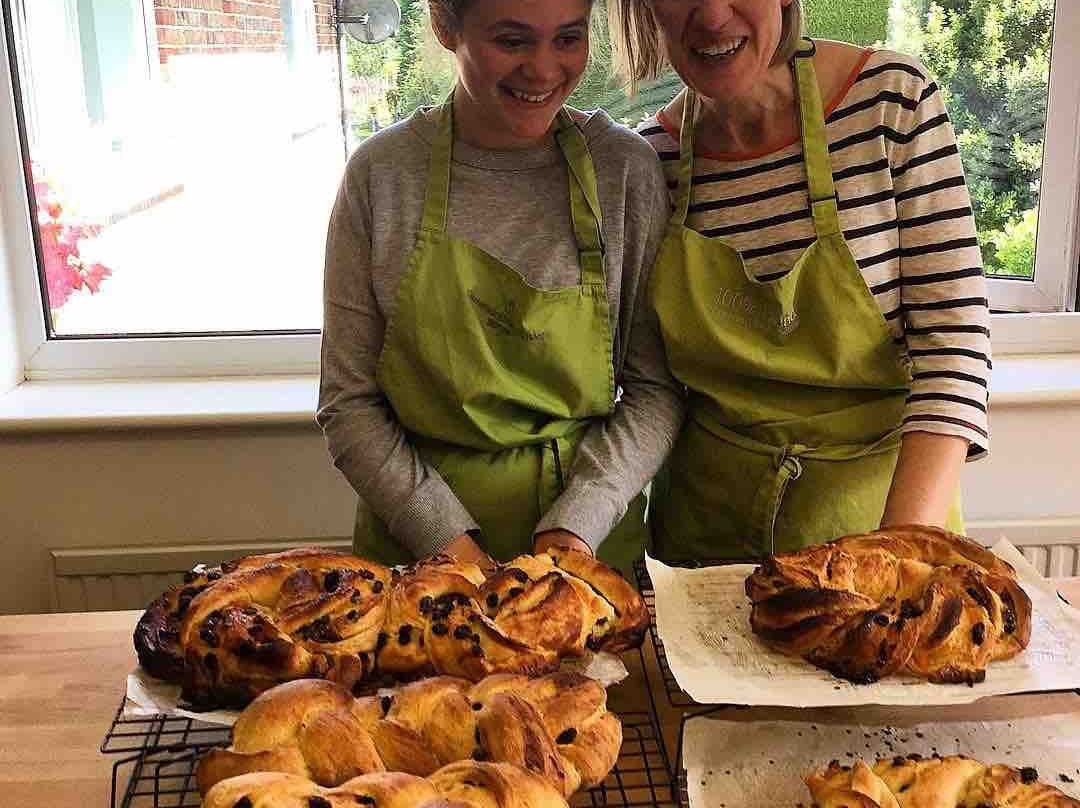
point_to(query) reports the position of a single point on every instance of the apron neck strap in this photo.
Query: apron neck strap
(686, 158)
(437, 196)
(823, 200)
(584, 199)
(815, 141)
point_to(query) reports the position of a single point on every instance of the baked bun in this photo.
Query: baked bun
(557, 726)
(230, 633)
(275, 790)
(912, 599)
(493, 785)
(951, 782)
(460, 785)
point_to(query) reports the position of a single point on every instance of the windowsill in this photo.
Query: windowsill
(47, 406)
(1020, 380)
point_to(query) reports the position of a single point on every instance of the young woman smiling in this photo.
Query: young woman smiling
(820, 291)
(486, 266)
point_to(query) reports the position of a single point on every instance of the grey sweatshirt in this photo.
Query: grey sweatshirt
(514, 205)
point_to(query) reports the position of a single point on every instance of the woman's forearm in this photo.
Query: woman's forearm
(926, 479)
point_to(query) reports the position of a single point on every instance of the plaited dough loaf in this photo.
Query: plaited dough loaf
(232, 632)
(557, 727)
(914, 782)
(911, 599)
(460, 785)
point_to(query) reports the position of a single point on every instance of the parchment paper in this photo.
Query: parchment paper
(703, 618)
(734, 764)
(147, 696)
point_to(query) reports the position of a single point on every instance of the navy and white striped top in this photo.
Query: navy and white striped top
(905, 211)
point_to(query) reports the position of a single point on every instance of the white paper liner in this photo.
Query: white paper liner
(147, 696)
(732, 764)
(703, 618)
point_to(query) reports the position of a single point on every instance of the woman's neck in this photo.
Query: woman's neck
(744, 124)
(481, 131)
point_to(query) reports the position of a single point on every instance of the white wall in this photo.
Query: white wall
(67, 490)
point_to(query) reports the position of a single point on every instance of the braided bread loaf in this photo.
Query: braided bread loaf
(557, 726)
(910, 599)
(232, 632)
(951, 782)
(460, 785)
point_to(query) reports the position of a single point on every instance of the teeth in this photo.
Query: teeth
(530, 99)
(725, 48)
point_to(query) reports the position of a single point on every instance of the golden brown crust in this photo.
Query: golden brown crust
(459, 785)
(232, 632)
(902, 600)
(273, 790)
(494, 785)
(631, 616)
(557, 726)
(915, 782)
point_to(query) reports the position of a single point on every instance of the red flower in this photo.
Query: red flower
(65, 271)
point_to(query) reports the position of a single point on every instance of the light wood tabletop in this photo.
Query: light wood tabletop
(62, 679)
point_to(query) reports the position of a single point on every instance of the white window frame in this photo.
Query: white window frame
(1057, 247)
(76, 358)
(1054, 288)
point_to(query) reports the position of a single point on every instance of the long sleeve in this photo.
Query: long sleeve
(943, 296)
(364, 438)
(620, 454)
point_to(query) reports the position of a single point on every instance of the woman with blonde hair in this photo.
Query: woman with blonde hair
(485, 265)
(820, 290)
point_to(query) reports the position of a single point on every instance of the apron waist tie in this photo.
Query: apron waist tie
(834, 451)
(788, 467)
(770, 495)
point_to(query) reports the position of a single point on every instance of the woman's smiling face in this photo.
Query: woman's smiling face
(518, 61)
(721, 48)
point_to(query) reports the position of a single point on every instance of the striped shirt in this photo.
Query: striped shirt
(906, 214)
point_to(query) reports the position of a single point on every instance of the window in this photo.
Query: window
(185, 155)
(993, 63)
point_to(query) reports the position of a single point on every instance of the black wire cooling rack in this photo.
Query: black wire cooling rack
(159, 752)
(678, 698)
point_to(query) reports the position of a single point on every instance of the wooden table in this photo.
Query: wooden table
(61, 680)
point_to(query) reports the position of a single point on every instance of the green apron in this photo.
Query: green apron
(796, 388)
(495, 381)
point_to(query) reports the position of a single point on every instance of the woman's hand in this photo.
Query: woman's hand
(464, 548)
(560, 538)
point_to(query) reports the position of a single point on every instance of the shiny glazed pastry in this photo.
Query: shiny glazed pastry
(557, 726)
(232, 632)
(911, 599)
(460, 785)
(951, 782)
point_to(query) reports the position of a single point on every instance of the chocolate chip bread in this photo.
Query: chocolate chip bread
(949, 782)
(913, 600)
(557, 726)
(232, 632)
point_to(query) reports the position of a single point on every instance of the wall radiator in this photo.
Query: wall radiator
(104, 579)
(96, 579)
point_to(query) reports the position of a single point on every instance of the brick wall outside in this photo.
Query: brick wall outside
(231, 26)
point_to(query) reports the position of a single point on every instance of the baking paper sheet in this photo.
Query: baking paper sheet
(703, 618)
(147, 696)
(734, 764)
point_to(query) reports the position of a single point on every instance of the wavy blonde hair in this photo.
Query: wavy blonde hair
(637, 42)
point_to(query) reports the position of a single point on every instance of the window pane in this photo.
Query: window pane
(186, 153)
(185, 158)
(991, 59)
